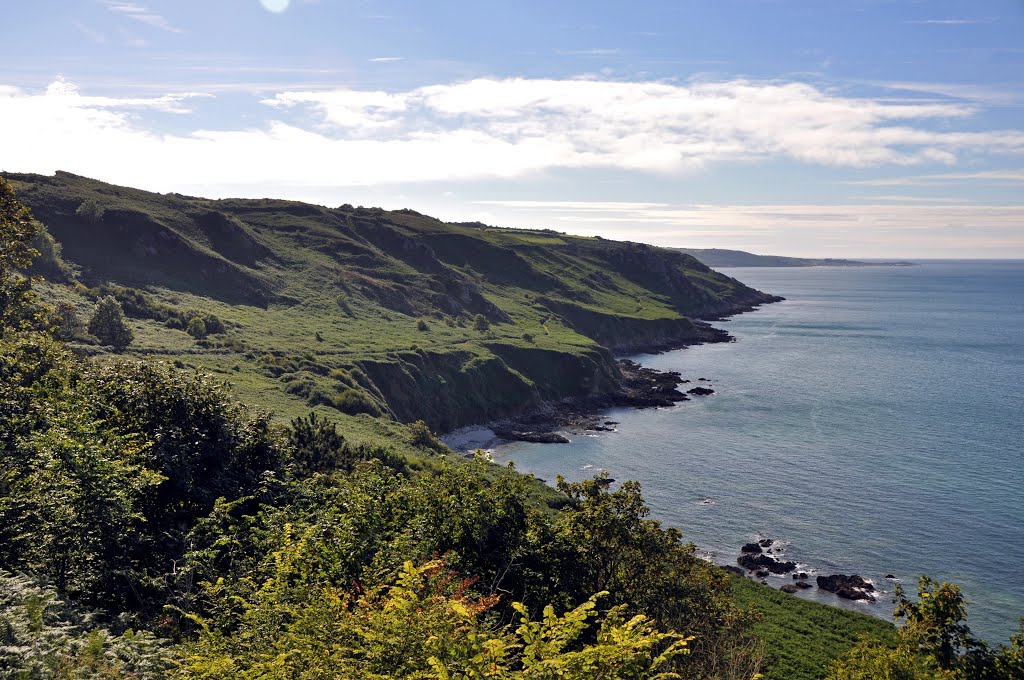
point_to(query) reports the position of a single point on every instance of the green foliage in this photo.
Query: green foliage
(936, 622)
(108, 324)
(870, 661)
(196, 328)
(480, 323)
(90, 211)
(68, 325)
(421, 325)
(104, 469)
(317, 446)
(935, 642)
(423, 437)
(44, 637)
(611, 546)
(422, 623)
(18, 307)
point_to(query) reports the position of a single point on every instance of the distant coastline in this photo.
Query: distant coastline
(719, 257)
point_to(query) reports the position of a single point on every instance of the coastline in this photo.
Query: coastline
(639, 387)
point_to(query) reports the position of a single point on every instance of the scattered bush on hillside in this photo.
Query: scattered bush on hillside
(196, 328)
(421, 325)
(108, 324)
(423, 437)
(481, 323)
(66, 322)
(90, 211)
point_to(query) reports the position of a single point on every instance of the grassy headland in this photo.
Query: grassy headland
(360, 310)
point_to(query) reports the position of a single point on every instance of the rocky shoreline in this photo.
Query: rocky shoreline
(765, 557)
(640, 387)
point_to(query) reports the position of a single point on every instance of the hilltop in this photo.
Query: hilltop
(718, 257)
(353, 310)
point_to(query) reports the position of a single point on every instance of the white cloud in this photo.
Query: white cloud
(141, 14)
(663, 127)
(954, 22)
(483, 128)
(966, 91)
(987, 177)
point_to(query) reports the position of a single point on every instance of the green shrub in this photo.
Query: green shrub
(90, 211)
(196, 328)
(108, 325)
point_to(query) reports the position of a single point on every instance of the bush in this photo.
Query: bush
(90, 211)
(481, 323)
(196, 328)
(421, 325)
(108, 324)
(67, 324)
(214, 326)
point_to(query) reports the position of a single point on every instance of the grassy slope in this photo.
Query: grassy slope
(280, 274)
(803, 637)
(322, 301)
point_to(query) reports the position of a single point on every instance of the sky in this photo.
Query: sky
(865, 128)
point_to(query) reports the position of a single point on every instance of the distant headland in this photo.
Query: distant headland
(718, 257)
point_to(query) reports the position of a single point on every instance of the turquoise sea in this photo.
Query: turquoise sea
(873, 423)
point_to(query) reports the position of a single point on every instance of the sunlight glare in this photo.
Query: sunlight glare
(275, 5)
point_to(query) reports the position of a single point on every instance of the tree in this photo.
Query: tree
(67, 324)
(937, 621)
(18, 308)
(481, 323)
(108, 324)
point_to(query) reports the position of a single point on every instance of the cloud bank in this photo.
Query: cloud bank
(484, 128)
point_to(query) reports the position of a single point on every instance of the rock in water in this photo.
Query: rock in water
(848, 587)
(763, 562)
(751, 548)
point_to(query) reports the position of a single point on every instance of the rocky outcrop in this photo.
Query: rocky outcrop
(764, 562)
(535, 437)
(848, 587)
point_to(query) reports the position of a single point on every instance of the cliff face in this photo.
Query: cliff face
(446, 322)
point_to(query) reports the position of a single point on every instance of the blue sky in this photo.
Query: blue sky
(856, 129)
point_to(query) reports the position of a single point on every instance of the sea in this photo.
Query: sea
(871, 424)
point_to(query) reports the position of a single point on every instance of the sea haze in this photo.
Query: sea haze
(872, 423)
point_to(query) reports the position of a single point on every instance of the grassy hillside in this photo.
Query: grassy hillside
(364, 311)
(802, 638)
